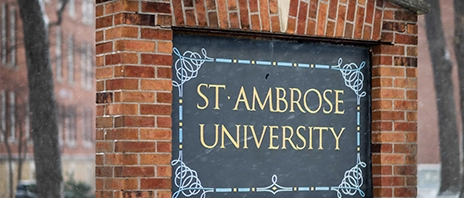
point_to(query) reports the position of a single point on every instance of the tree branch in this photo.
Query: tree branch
(59, 13)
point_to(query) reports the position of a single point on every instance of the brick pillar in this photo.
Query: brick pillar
(394, 106)
(133, 138)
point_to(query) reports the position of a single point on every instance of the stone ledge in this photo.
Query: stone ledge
(417, 6)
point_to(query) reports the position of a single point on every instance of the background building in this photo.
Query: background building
(72, 60)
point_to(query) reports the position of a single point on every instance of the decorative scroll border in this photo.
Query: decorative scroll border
(186, 179)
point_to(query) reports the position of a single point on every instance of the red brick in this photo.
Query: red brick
(164, 47)
(232, 5)
(104, 122)
(201, 13)
(311, 27)
(405, 61)
(388, 181)
(148, 183)
(406, 39)
(99, 159)
(103, 22)
(103, 146)
(389, 49)
(264, 12)
(155, 134)
(348, 30)
(164, 122)
(190, 18)
(135, 147)
(381, 126)
(256, 23)
(99, 36)
(135, 97)
(382, 82)
(135, 71)
(233, 20)
(321, 19)
(139, 171)
(381, 169)
(150, 109)
(156, 7)
(405, 148)
(118, 6)
(388, 93)
(383, 192)
(405, 126)
(411, 116)
(388, 136)
(405, 105)
(98, 11)
(104, 47)
(160, 85)
(213, 20)
(388, 115)
(134, 19)
(121, 58)
(330, 31)
(382, 60)
(122, 84)
(121, 32)
(103, 171)
(405, 192)
(178, 12)
(155, 159)
(275, 24)
(156, 59)
(369, 11)
(134, 121)
(163, 194)
(164, 147)
(381, 148)
(405, 170)
(312, 8)
(163, 171)
(382, 104)
(99, 61)
(163, 20)
(377, 24)
(388, 71)
(222, 13)
(388, 159)
(351, 10)
(340, 21)
(301, 20)
(135, 45)
(358, 26)
(244, 20)
(293, 10)
(164, 97)
(210, 5)
(122, 134)
(273, 7)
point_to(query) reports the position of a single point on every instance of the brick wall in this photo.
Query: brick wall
(134, 42)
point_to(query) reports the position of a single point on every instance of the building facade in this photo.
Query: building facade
(72, 62)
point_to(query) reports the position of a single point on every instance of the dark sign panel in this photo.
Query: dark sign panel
(270, 118)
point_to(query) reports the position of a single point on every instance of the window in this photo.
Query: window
(87, 119)
(89, 67)
(13, 37)
(88, 12)
(3, 114)
(12, 116)
(70, 123)
(71, 59)
(83, 65)
(59, 119)
(58, 54)
(4, 48)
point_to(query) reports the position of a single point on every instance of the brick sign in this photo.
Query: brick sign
(270, 118)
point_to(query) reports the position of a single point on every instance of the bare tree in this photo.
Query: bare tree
(41, 98)
(448, 132)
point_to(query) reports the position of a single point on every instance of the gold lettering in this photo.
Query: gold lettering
(337, 111)
(216, 101)
(305, 100)
(258, 143)
(301, 138)
(245, 137)
(202, 136)
(262, 105)
(310, 138)
(337, 137)
(242, 98)
(320, 136)
(287, 139)
(328, 102)
(281, 99)
(236, 143)
(271, 137)
(297, 102)
(202, 96)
